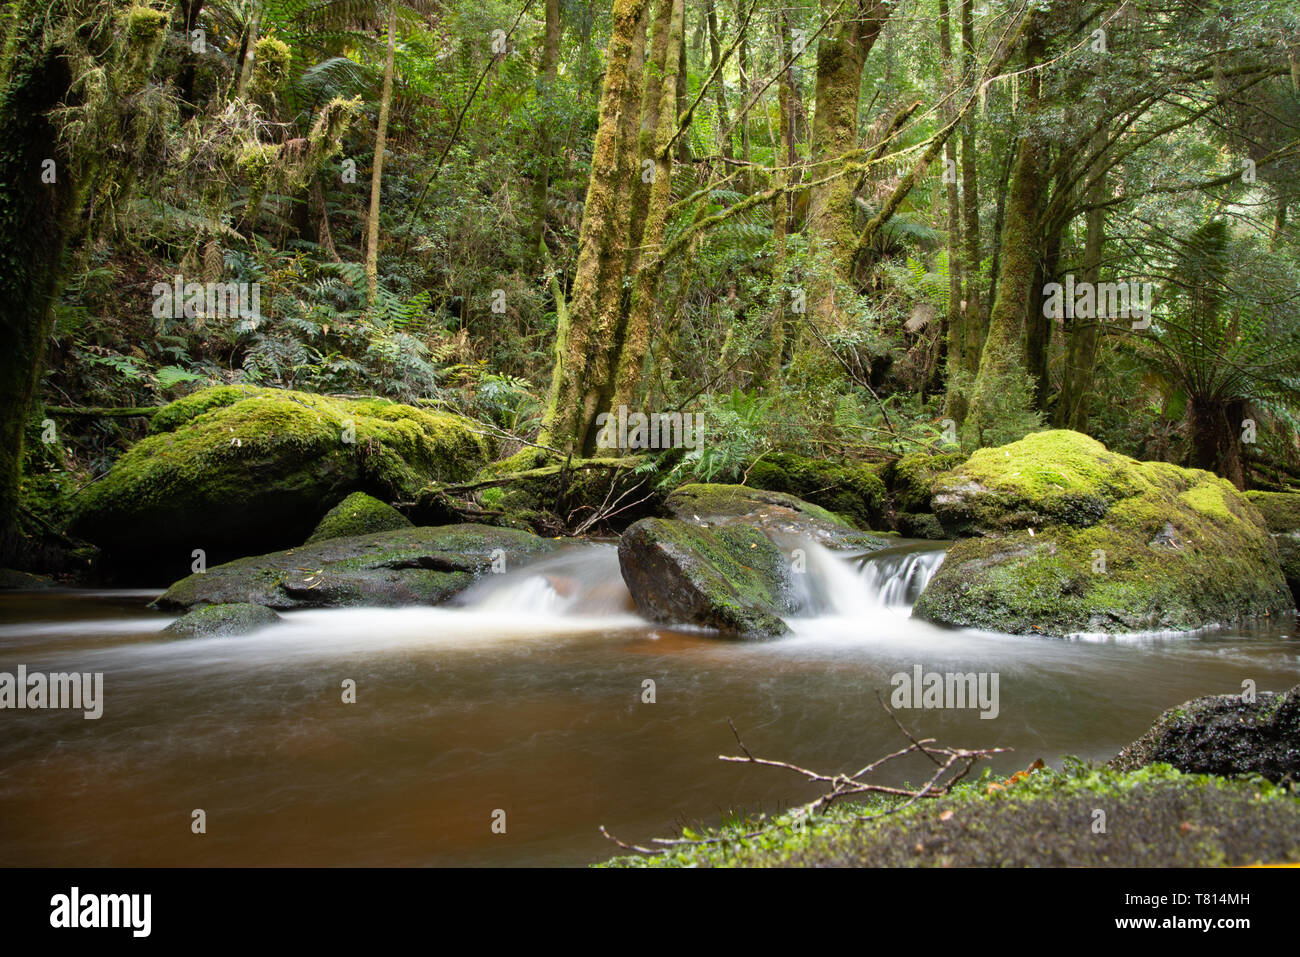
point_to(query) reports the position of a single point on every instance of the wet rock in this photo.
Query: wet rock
(731, 578)
(409, 566)
(776, 513)
(220, 621)
(1058, 536)
(13, 580)
(1224, 735)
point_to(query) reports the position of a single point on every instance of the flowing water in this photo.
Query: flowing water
(529, 697)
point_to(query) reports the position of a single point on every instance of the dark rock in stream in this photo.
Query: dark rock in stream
(1224, 735)
(220, 621)
(406, 566)
(731, 578)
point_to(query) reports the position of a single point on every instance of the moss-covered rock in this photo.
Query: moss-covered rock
(1073, 538)
(358, 514)
(1281, 511)
(920, 525)
(910, 479)
(852, 490)
(1155, 817)
(13, 580)
(1225, 735)
(220, 621)
(235, 470)
(733, 578)
(407, 566)
(776, 513)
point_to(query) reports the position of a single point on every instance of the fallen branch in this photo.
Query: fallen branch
(952, 765)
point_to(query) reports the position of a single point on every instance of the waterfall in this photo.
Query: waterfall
(582, 582)
(864, 586)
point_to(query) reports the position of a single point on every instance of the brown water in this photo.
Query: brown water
(528, 700)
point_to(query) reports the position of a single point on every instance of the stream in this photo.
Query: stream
(528, 697)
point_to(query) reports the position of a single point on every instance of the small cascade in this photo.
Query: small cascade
(863, 586)
(582, 582)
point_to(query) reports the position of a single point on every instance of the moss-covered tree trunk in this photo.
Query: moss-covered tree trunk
(1001, 373)
(781, 177)
(636, 338)
(973, 322)
(582, 376)
(377, 167)
(38, 205)
(954, 342)
(841, 54)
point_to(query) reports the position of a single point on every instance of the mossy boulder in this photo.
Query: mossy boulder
(710, 505)
(13, 580)
(406, 566)
(1225, 735)
(1067, 537)
(733, 579)
(234, 470)
(358, 514)
(851, 490)
(221, 621)
(910, 479)
(1281, 511)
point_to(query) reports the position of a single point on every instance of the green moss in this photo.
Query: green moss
(1069, 537)
(1155, 816)
(358, 514)
(211, 621)
(910, 479)
(247, 470)
(1281, 510)
(851, 489)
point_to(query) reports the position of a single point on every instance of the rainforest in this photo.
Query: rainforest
(552, 433)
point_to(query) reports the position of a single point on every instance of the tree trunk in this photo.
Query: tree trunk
(659, 52)
(582, 365)
(250, 51)
(36, 219)
(1216, 437)
(546, 142)
(973, 320)
(1083, 334)
(841, 55)
(953, 340)
(636, 338)
(1038, 328)
(377, 167)
(719, 87)
(1001, 362)
(781, 205)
